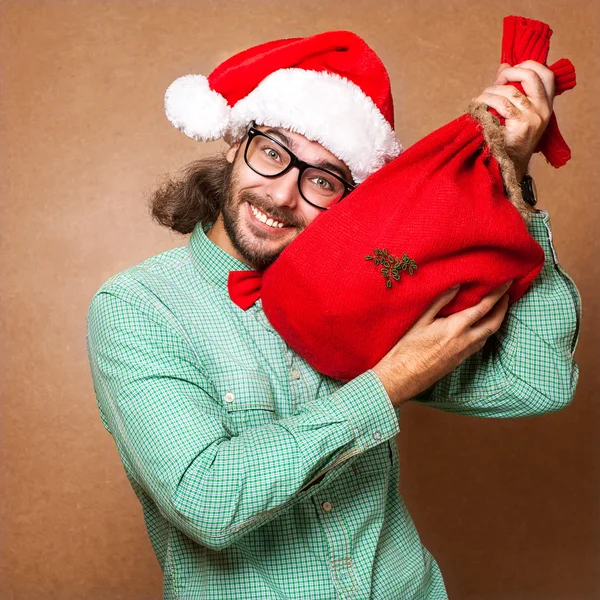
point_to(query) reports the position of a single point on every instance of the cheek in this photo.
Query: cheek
(244, 178)
(250, 182)
(309, 213)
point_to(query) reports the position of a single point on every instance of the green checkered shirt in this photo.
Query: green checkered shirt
(260, 478)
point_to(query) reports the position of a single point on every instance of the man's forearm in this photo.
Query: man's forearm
(215, 487)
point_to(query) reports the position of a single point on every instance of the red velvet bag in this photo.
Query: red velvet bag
(447, 211)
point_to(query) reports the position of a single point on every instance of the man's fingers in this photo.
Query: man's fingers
(533, 86)
(434, 308)
(511, 93)
(489, 324)
(537, 80)
(470, 316)
(501, 68)
(544, 73)
(502, 104)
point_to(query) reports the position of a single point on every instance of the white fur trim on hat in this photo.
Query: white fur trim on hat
(324, 108)
(195, 109)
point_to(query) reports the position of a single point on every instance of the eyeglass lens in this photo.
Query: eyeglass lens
(269, 159)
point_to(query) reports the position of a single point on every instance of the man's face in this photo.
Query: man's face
(252, 197)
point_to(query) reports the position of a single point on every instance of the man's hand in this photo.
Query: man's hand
(433, 347)
(526, 115)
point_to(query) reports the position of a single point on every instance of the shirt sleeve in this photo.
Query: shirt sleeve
(527, 367)
(164, 416)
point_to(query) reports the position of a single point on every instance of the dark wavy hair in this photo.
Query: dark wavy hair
(194, 195)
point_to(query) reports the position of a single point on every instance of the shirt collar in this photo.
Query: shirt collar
(212, 261)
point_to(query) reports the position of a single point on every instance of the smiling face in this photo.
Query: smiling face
(260, 216)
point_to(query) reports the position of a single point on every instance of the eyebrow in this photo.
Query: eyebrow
(325, 164)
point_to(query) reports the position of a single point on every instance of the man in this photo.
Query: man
(260, 478)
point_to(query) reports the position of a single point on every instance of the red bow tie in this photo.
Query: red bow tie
(244, 287)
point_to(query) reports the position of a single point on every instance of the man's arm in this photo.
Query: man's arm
(165, 418)
(527, 367)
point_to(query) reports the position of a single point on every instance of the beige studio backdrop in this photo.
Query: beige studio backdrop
(509, 508)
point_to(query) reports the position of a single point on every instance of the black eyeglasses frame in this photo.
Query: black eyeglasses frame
(299, 164)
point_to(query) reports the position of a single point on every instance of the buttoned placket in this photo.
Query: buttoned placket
(297, 384)
(341, 565)
(293, 370)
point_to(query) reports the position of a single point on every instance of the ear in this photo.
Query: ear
(230, 154)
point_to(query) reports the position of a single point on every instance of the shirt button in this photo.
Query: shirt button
(229, 397)
(377, 435)
(296, 374)
(326, 506)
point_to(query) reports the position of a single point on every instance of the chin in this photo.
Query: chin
(258, 243)
(257, 250)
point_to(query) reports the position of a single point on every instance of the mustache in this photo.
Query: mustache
(280, 214)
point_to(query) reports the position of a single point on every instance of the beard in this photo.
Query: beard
(251, 246)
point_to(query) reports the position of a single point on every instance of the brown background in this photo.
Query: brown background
(509, 508)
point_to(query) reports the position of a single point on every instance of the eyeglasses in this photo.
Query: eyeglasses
(268, 157)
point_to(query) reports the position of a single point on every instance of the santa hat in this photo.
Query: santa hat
(331, 88)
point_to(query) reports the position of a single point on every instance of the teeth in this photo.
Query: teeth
(264, 219)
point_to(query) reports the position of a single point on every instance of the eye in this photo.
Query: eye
(272, 154)
(322, 184)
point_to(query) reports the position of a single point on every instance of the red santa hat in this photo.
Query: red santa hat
(332, 88)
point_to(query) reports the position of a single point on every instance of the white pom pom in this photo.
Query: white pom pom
(195, 109)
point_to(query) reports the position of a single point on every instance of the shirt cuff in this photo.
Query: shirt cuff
(369, 410)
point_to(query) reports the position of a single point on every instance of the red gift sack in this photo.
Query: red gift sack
(447, 211)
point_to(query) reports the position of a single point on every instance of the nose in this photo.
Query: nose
(283, 190)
